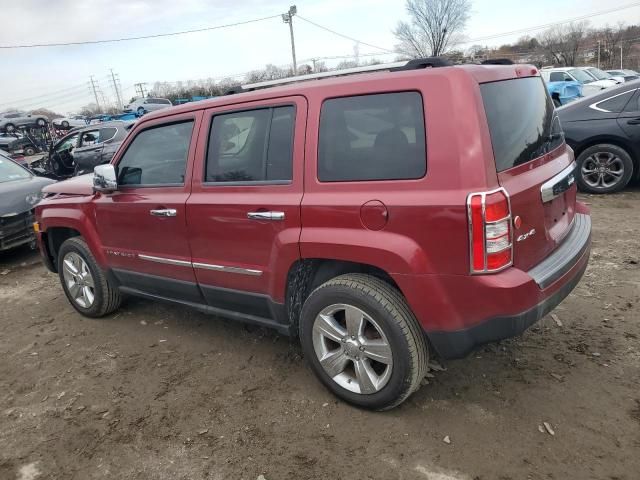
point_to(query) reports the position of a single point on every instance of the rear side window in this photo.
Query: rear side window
(615, 104)
(521, 120)
(251, 146)
(107, 133)
(157, 156)
(372, 137)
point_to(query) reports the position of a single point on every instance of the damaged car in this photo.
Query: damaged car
(20, 191)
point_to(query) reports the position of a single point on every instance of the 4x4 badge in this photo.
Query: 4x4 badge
(524, 236)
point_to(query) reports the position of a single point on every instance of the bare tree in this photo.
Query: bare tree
(563, 43)
(435, 27)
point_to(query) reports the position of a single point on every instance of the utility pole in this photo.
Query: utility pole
(288, 18)
(115, 87)
(140, 88)
(95, 91)
(621, 57)
(598, 54)
(314, 60)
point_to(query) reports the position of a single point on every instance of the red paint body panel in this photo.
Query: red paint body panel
(423, 244)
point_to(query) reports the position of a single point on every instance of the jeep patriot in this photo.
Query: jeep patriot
(382, 216)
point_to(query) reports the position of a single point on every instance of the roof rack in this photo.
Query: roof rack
(420, 63)
(497, 61)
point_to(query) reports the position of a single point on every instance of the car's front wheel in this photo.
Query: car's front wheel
(363, 342)
(41, 122)
(604, 168)
(9, 127)
(140, 111)
(65, 124)
(29, 151)
(85, 284)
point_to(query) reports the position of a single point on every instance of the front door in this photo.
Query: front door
(243, 216)
(143, 224)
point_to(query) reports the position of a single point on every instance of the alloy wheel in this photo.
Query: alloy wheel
(78, 279)
(602, 170)
(352, 349)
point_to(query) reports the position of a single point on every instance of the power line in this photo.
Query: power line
(126, 39)
(547, 25)
(343, 35)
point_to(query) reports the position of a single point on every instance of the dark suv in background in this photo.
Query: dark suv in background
(379, 217)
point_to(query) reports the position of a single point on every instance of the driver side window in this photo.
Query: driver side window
(157, 156)
(68, 144)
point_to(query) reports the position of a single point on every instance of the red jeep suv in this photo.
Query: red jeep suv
(380, 216)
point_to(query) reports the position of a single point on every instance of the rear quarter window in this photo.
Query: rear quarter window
(372, 137)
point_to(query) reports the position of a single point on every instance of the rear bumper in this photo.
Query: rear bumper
(468, 311)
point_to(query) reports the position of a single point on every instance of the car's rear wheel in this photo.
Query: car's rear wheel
(9, 127)
(604, 168)
(65, 124)
(85, 284)
(363, 342)
(140, 111)
(41, 122)
(30, 150)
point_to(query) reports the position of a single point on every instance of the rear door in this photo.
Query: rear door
(244, 212)
(531, 157)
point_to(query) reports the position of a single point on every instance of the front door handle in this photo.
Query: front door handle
(635, 121)
(164, 212)
(273, 216)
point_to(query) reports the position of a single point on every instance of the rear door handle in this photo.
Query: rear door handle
(635, 121)
(164, 212)
(273, 216)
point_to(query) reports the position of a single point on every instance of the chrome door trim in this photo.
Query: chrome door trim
(274, 216)
(595, 106)
(164, 212)
(166, 261)
(222, 268)
(547, 188)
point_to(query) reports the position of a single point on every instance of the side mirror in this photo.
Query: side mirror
(104, 179)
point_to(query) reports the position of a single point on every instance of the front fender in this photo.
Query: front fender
(79, 218)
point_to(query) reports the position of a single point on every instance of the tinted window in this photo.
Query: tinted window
(250, 146)
(559, 77)
(157, 156)
(372, 137)
(634, 105)
(615, 104)
(107, 133)
(521, 120)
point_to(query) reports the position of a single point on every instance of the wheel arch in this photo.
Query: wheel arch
(306, 274)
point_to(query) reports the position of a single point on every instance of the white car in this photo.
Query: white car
(598, 74)
(71, 121)
(141, 106)
(590, 86)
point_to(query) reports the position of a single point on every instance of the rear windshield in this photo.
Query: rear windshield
(521, 120)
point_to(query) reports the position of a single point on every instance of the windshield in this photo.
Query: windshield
(521, 120)
(10, 171)
(581, 76)
(599, 74)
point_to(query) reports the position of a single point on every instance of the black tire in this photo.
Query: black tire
(65, 124)
(388, 307)
(601, 153)
(140, 111)
(41, 122)
(30, 150)
(107, 297)
(9, 127)
(556, 102)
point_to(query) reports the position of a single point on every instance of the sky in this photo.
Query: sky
(58, 77)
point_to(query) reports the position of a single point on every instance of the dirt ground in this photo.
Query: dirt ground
(162, 392)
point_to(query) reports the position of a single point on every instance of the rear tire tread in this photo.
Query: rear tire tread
(392, 301)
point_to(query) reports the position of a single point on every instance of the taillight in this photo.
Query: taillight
(490, 231)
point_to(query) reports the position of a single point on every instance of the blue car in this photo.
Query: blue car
(564, 92)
